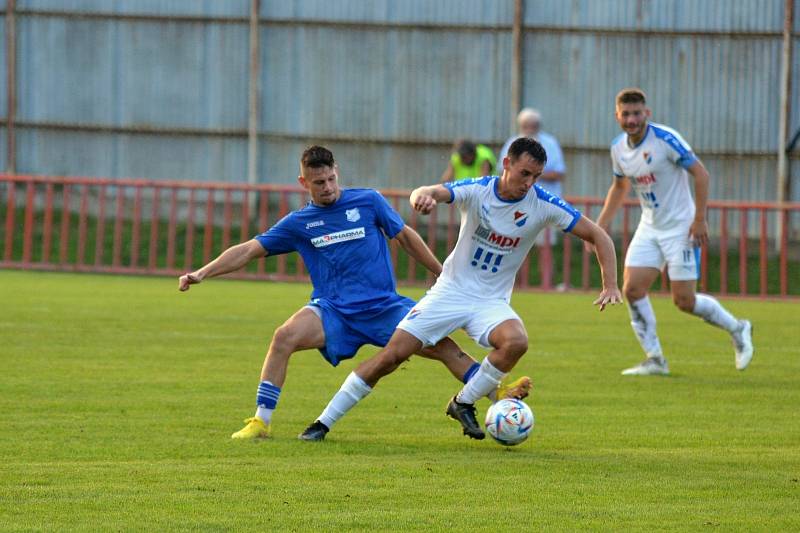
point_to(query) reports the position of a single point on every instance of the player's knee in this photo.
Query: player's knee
(285, 339)
(516, 345)
(633, 294)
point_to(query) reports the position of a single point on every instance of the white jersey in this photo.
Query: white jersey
(656, 168)
(496, 235)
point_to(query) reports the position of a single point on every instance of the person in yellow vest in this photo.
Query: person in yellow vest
(469, 160)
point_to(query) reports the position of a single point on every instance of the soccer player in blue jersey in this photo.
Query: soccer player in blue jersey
(500, 219)
(656, 162)
(341, 235)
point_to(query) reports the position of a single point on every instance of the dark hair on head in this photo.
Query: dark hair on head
(316, 157)
(631, 95)
(527, 145)
(465, 147)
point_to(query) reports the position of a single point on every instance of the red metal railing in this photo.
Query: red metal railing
(170, 227)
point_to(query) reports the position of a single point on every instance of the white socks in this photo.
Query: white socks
(710, 310)
(351, 392)
(643, 321)
(485, 380)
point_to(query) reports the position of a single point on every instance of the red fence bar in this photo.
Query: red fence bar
(171, 225)
(283, 210)
(116, 255)
(100, 234)
(209, 229)
(152, 245)
(65, 216)
(10, 212)
(762, 252)
(782, 267)
(188, 253)
(723, 252)
(395, 201)
(227, 220)
(137, 221)
(263, 214)
(27, 239)
(47, 198)
(412, 264)
(245, 221)
(743, 251)
(82, 214)
(47, 229)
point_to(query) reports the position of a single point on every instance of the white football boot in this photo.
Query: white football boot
(652, 366)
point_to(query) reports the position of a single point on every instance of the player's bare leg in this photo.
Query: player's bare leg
(302, 331)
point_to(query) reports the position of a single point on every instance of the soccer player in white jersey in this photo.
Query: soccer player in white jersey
(341, 236)
(500, 219)
(656, 161)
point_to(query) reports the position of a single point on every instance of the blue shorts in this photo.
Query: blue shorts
(346, 333)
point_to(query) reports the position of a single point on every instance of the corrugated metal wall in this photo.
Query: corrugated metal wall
(159, 89)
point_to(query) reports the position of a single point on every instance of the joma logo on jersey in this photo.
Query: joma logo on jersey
(315, 224)
(339, 236)
(645, 180)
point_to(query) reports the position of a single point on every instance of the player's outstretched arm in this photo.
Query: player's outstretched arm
(424, 199)
(606, 256)
(230, 260)
(414, 246)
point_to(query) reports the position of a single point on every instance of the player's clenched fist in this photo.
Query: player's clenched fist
(186, 280)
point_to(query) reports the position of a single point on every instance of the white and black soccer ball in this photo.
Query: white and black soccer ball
(509, 422)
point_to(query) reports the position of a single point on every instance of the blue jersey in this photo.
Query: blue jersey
(343, 246)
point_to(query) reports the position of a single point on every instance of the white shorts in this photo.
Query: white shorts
(438, 315)
(654, 249)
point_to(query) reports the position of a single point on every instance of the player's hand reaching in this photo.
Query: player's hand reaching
(609, 297)
(186, 280)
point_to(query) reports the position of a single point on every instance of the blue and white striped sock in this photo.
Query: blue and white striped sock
(266, 400)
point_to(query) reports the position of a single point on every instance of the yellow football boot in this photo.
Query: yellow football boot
(255, 429)
(517, 389)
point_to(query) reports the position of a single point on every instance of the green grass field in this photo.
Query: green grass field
(118, 397)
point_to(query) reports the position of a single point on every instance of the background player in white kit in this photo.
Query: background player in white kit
(656, 161)
(500, 219)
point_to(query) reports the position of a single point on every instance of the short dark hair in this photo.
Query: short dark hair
(465, 147)
(631, 95)
(527, 145)
(317, 157)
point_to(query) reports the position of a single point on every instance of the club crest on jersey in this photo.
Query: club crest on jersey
(648, 157)
(520, 218)
(414, 313)
(352, 214)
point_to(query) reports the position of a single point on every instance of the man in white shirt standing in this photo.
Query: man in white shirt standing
(656, 161)
(500, 219)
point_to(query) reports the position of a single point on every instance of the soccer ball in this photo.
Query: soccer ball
(509, 421)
